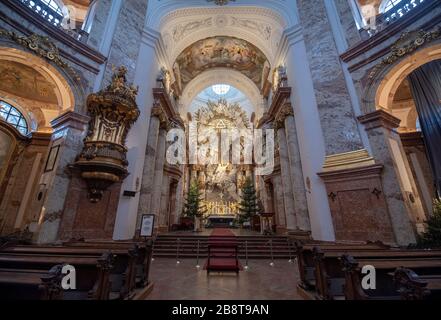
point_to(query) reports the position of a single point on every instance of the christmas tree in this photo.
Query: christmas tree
(249, 206)
(432, 237)
(194, 206)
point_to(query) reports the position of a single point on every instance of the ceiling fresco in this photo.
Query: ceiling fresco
(221, 52)
(25, 82)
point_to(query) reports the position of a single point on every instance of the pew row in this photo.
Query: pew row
(333, 272)
(104, 270)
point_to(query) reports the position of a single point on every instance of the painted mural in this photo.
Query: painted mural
(220, 52)
(23, 81)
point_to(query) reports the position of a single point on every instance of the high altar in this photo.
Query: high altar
(220, 182)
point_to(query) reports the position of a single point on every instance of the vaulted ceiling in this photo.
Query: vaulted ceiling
(221, 52)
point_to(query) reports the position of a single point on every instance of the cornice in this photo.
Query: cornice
(379, 119)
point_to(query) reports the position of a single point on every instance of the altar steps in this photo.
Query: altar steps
(258, 247)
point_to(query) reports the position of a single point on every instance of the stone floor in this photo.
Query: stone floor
(183, 281)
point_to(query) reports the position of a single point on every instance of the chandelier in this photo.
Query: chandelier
(221, 2)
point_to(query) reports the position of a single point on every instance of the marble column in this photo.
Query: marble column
(291, 221)
(201, 181)
(155, 201)
(179, 202)
(397, 186)
(296, 173)
(193, 176)
(149, 169)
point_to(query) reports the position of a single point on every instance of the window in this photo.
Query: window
(48, 9)
(14, 117)
(221, 89)
(406, 6)
(390, 4)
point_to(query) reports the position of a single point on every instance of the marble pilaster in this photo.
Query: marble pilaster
(296, 173)
(155, 202)
(165, 204)
(71, 127)
(149, 169)
(386, 150)
(279, 202)
(291, 221)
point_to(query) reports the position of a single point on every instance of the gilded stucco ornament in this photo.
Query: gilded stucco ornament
(406, 44)
(41, 46)
(284, 112)
(113, 111)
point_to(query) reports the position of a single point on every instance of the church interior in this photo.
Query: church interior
(220, 149)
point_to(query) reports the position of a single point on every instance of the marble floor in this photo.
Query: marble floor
(184, 281)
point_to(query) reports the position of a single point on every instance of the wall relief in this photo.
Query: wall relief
(216, 52)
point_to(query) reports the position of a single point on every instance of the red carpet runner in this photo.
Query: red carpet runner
(222, 251)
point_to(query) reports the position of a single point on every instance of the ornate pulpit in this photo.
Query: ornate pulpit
(113, 111)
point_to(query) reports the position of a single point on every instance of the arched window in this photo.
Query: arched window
(14, 117)
(221, 89)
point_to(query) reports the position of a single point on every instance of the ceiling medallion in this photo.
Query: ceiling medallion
(221, 2)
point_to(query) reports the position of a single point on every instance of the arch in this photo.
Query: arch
(283, 10)
(180, 26)
(226, 76)
(395, 76)
(380, 90)
(68, 91)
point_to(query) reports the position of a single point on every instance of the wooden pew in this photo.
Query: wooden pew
(143, 255)
(321, 269)
(411, 286)
(305, 257)
(19, 284)
(122, 275)
(25, 276)
(394, 276)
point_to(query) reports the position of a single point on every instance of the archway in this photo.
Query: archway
(35, 87)
(393, 94)
(32, 94)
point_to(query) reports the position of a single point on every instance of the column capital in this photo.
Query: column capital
(285, 111)
(379, 119)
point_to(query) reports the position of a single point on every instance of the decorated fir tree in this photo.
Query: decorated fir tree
(432, 237)
(249, 205)
(194, 207)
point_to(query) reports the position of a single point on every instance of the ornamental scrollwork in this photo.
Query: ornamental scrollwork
(405, 45)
